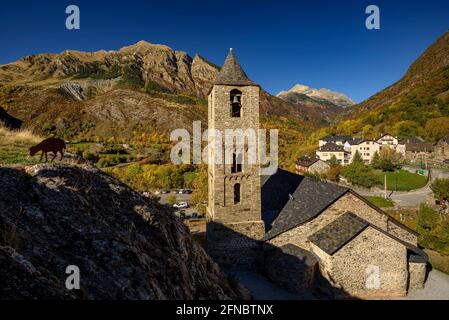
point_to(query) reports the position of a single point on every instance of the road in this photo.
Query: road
(411, 198)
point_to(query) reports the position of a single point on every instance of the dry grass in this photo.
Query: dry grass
(18, 136)
(14, 145)
(438, 261)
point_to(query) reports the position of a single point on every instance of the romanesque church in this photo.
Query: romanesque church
(299, 232)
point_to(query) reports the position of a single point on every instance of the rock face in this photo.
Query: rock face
(299, 93)
(74, 90)
(140, 63)
(126, 246)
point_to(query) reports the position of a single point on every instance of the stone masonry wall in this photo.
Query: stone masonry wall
(417, 275)
(234, 229)
(353, 269)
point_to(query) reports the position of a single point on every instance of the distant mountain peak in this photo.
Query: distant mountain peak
(320, 95)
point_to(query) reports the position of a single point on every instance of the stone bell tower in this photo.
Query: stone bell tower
(234, 206)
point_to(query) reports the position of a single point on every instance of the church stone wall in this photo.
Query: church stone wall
(291, 267)
(353, 269)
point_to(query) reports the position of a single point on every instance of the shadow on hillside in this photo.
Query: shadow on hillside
(9, 121)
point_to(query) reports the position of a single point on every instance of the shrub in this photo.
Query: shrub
(154, 87)
(359, 174)
(440, 188)
(433, 230)
(171, 200)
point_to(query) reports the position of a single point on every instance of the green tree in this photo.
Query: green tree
(333, 161)
(375, 161)
(359, 174)
(440, 188)
(357, 157)
(437, 128)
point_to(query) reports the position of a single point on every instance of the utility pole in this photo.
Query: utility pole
(385, 187)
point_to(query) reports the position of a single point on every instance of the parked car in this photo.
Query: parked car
(146, 194)
(196, 215)
(181, 205)
(164, 191)
(185, 191)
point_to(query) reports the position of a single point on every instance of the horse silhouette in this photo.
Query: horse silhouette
(54, 145)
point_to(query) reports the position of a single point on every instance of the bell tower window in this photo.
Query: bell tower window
(237, 191)
(236, 163)
(236, 103)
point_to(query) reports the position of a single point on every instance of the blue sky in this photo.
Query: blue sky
(279, 43)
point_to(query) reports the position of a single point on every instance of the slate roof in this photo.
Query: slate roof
(332, 138)
(306, 161)
(338, 233)
(232, 73)
(308, 199)
(332, 147)
(412, 140)
(356, 141)
(423, 146)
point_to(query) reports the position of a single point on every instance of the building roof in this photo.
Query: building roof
(422, 147)
(339, 232)
(306, 161)
(332, 147)
(289, 200)
(345, 228)
(298, 199)
(232, 73)
(386, 134)
(412, 140)
(356, 141)
(332, 138)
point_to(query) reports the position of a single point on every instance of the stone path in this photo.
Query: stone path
(437, 288)
(262, 289)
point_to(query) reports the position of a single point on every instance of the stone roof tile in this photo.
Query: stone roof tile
(232, 73)
(339, 232)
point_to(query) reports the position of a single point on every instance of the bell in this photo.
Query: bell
(236, 99)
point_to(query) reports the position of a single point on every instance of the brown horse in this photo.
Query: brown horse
(49, 145)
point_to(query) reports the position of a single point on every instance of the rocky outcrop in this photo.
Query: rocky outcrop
(300, 93)
(126, 246)
(73, 90)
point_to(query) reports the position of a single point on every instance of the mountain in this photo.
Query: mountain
(142, 88)
(418, 104)
(53, 216)
(304, 94)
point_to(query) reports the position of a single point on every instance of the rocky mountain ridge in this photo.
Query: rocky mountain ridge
(299, 93)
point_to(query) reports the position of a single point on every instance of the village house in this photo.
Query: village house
(441, 150)
(366, 149)
(336, 139)
(388, 140)
(295, 229)
(329, 150)
(312, 165)
(415, 150)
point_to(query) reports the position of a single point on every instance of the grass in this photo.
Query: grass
(438, 261)
(401, 180)
(381, 202)
(14, 146)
